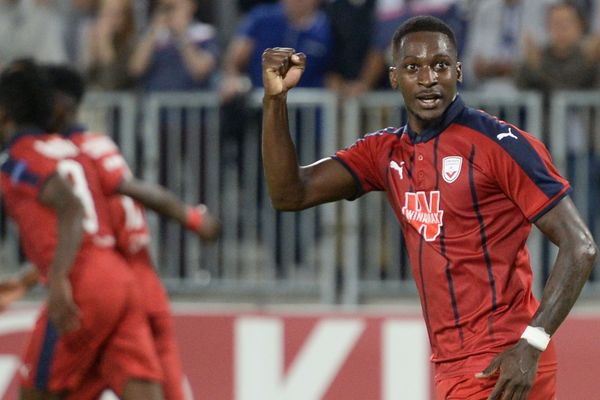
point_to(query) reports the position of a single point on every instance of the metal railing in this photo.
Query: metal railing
(347, 252)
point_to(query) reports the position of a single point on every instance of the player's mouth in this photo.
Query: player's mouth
(429, 100)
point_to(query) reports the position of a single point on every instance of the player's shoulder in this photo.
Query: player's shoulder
(43, 145)
(490, 126)
(385, 133)
(379, 137)
(95, 144)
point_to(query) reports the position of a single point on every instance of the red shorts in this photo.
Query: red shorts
(467, 387)
(158, 313)
(114, 340)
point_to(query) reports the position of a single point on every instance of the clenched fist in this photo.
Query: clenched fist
(282, 68)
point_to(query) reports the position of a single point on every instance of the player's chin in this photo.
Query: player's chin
(430, 115)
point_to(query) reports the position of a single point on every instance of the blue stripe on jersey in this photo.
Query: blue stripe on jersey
(44, 363)
(424, 295)
(486, 254)
(519, 149)
(443, 249)
(18, 172)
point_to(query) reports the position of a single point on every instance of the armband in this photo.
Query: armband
(194, 217)
(537, 337)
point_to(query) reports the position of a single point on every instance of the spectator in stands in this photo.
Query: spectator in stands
(389, 15)
(31, 28)
(495, 44)
(78, 16)
(292, 23)
(176, 53)
(564, 63)
(351, 43)
(109, 42)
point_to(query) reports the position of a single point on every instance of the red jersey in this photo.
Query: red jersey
(465, 194)
(31, 158)
(128, 216)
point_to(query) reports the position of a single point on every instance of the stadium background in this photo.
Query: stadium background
(320, 304)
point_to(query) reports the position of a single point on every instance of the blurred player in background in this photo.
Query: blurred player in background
(130, 225)
(56, 198)
(466, 188)
(129, 220)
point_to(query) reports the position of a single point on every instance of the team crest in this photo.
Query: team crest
(451, 168)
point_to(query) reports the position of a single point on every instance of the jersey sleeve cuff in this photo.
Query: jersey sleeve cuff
(551, 204)
(358, 187)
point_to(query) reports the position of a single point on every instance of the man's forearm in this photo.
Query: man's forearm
(569, 274)
(279, 155)
(156, 198)
(69, 236)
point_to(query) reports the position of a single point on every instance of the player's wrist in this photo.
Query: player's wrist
(536, 337)
(194, 217)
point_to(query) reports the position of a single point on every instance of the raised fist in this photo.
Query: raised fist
(282, 69)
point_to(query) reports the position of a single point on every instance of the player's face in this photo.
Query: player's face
(426, 72)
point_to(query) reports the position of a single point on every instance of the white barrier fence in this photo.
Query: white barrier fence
(349, 252)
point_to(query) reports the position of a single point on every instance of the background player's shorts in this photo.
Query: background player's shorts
(467, 387)
(114, 340)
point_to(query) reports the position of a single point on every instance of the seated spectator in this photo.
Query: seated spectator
(495, 45)
(109, 42)
(176, 53)
(389, 15)
(299, 24)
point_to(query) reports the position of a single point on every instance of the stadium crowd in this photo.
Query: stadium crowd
(162, 45)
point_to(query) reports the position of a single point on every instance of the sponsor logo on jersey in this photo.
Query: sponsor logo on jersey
(451, 168)
(424, 214)
(394, 165)
(509, 134)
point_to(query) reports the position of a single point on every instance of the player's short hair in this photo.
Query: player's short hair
(66, 80)
(421, 23)
(25, 93)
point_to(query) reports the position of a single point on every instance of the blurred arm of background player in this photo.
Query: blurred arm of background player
(69, 89)
(57, 194)
(15, 287)
(164, 202)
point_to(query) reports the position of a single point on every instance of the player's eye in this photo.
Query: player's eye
(441, 66)
(411, 67)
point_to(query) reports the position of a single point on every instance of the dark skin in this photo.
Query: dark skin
(426, 72)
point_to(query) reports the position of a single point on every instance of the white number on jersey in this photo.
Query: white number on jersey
(56, 148)
(134, 217)
(73, 171)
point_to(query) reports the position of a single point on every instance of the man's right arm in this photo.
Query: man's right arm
(292, 187)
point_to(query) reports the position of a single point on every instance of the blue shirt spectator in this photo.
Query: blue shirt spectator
(288, 23)
(177, 53)
(269, 26)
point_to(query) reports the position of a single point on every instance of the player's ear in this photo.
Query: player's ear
(393, 77)
(459, 75)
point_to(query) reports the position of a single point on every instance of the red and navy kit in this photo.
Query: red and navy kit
(132, 238)
(114, 340)
(466, 193)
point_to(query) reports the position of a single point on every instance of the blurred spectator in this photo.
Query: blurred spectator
(176, 52)
(299, 24)
(389, 15)
(496, 47)
(246, 5)
(31, 28)
(353, 23)
(78, 15)
(109, 42)
(563, 63)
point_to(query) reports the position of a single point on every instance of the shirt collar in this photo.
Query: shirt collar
(26, 131)
(73, 129)
(453, 111)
